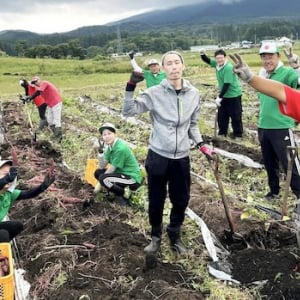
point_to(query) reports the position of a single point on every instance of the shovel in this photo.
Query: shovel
(32, 131)
(232, 234)
(291, 154)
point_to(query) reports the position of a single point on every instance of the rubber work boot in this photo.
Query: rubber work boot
(151, 252)
(52, 127)
(58, 134)
(175, 242)
(43, 124)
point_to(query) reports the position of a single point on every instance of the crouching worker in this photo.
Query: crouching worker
(119, 170)
(8, 175)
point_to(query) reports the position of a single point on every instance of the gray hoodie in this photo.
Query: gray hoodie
(174, 117)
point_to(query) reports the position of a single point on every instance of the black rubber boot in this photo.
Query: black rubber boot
(43, 124)
(175, 242)
(58, 134)
(154, 245)
(152, 249)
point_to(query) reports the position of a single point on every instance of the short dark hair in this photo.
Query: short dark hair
(220, 52)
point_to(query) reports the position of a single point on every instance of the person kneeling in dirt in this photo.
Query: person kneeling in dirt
(39, 101)
(119, 170)
(53, 100)
(8, 176)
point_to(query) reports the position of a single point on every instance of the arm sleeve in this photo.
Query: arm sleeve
(133, 106)
(292, 106)
(205, 58)
(135, 66)
(31, 193)
(37, 93)
(224, 89)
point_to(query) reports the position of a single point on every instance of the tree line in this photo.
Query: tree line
(158, 39)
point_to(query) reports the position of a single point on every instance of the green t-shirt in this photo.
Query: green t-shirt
(270, 116)
(123, 159)
(6, 200)
(226, 75)
(153, 79)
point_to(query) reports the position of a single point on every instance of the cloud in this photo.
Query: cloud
(50, 16)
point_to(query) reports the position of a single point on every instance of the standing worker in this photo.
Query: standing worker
(153, 76)
(275, 129)
(287, 97)
(174, 107)
(53, 100)
(39, 101)
(229, 99)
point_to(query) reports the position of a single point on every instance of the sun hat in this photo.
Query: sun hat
(269, 47)
(5, 162)
(34, 79)
(111, 127)
(153, 61)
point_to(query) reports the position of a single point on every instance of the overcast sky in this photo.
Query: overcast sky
(49, 16)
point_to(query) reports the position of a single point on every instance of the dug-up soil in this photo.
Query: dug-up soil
(74, 247)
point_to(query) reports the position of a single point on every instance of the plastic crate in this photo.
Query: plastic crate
(7, 284)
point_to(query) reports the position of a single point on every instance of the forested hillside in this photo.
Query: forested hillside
(158, 31)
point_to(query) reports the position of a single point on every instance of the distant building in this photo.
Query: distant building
(204, 47)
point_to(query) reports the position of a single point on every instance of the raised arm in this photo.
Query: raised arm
(269, 87)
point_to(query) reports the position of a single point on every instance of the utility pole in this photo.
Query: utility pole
(119, 41)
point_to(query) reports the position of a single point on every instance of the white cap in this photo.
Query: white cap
(153, 61)
(4, 162)
(111, 127)
(269, 47)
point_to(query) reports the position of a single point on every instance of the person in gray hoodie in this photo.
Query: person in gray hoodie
(174, 107)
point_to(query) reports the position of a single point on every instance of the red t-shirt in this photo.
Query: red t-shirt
(292, 106)
(50, 93)
(39, 100)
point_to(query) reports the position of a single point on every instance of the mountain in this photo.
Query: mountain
(214, 11)
(197, 18)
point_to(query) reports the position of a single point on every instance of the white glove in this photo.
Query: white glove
(218, 101)
(202, 52)
(240, 68)
(293, 59)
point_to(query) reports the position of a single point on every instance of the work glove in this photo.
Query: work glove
(25, 99)
(131, 54)
(293, 58)
(240, 68)
(48, 180)
(101, 149)
(209, 153)
(11, 175)
(136, 77)
(218, 101)
(202, 52)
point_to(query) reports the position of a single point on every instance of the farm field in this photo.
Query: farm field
(77, 245)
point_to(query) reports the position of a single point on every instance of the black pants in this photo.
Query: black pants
(273, 146)
(115, 183)
(42, 111)
(174, 175)
(231, 108)
(9, 229)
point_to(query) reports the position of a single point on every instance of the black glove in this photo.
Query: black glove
(131, 54)
(48, 180)
(9, 177)
(136, 77)
(25, 99)
(13, 172)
